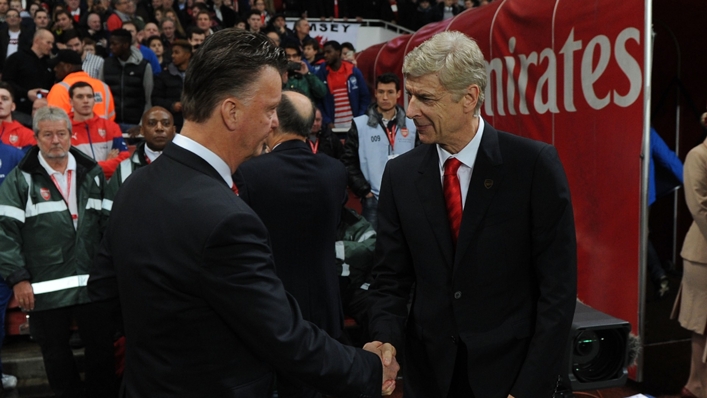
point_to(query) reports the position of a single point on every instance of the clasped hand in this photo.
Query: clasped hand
(386, 352)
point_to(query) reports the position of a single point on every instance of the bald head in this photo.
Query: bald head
(42, 42)
(296, 114)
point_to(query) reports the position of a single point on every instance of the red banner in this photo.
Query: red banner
(571, 74)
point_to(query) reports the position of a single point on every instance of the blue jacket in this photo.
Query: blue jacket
(9, 158)
(359, 97)
(665, 157)
(150, 57)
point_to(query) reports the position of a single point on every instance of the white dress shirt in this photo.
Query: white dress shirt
(467, 156)
(211, 158)
(67, 184)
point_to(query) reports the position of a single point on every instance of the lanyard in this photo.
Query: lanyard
(90, 142)
(391, 136)
(314, 146)
(66, 196)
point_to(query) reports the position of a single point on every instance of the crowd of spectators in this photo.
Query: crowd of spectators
(116, 68)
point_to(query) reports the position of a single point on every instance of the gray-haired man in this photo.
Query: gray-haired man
(50, 227)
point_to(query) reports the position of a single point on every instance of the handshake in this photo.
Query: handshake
(386, 352)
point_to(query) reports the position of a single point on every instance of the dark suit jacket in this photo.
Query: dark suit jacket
(299, 197)
(508, 289)
(205, 314)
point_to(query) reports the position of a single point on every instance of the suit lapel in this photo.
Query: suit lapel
(429, 188)
(485, 182)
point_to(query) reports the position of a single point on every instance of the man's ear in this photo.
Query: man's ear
(230, 112)
(471, 98)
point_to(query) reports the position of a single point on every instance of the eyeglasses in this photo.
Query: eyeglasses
(154, 122)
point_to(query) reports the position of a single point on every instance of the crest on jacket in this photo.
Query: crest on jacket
(102, 133)
(14, 138)
(405, 132)
(46, 195)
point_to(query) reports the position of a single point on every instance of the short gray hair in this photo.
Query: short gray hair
(50, 113)
(455, 58)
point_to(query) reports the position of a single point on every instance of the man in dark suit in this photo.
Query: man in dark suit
(205, 314)
(299, 195)
(480, 221)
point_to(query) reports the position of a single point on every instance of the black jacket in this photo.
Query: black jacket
(25, 41)
(299, 197)
(329, 144)
(126, 84)
(206, 313)
(24, 70)
(167, 91)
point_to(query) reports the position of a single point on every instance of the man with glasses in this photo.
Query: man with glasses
(121, 13)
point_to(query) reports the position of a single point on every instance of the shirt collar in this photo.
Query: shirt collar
(201, 151)
(50, 170)
(468, 154)
(152, 155)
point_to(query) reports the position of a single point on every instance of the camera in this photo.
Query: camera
(293, 66)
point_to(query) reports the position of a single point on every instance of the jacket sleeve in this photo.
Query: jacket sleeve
(13, 196)
(357, 182)
(696, 188)
(110, 165)
(662, 154)
(393, 274)
(364, 96)
(109, 96)
(237, 259)
(554, 261)
(59, 96)
(148, 85)
(316, 87)
(336, 146)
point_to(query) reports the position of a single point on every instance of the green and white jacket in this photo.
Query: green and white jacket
(38, 241)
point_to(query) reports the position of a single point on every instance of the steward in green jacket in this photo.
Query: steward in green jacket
(51, 224)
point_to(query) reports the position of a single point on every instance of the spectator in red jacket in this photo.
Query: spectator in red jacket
(11, 131)
(98, 138)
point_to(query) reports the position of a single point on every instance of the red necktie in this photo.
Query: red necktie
(234, 188)
(453, 196)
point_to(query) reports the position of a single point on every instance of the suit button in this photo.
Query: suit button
(454, 339)
(458, 295)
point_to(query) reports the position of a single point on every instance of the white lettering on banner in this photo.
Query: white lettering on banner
(594, 62)
(325, 31)
(328, 27)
